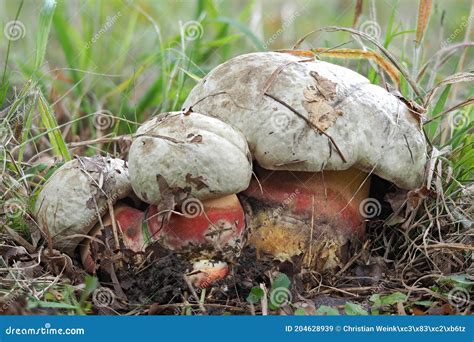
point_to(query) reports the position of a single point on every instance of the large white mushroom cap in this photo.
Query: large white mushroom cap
(76, 196)
(197, 155)
(290, 109)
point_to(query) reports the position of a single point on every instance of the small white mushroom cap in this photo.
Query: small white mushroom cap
(274, 99)
(191, 153)
(75, 197)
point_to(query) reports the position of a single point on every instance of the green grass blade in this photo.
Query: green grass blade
(5, 84)
(245, 30)
(69, 40)
(44, 27)
(54, 134)
(432, 127)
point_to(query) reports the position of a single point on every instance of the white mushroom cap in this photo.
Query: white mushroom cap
(373, 129)
(198, 155)
(76, 195)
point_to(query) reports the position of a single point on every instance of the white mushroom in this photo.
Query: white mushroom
(329, 124)
(201, 156)
(373, 129)
(77, 195)
(195, 163)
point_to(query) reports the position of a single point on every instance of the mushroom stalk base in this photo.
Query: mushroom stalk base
(313, 217)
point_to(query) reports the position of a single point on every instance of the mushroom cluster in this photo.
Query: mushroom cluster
(310, 132)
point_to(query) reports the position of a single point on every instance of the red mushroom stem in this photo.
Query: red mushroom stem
(313, 214)
(212, 225)
(215, 223)
(129, 223)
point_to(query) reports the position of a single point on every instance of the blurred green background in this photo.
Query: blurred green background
(133, 38)
(133, 59)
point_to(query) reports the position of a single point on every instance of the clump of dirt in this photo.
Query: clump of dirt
(159, 280)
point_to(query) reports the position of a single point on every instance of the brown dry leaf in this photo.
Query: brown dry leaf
(59, 263)
(326, 87)
(170, 197)
(445, 309)
(320, 113)
(417, 111)
(415, 196)
(397, 199)
(195, 139)
(197, 181)
(423, 16)
(417, 311)
(9, 252)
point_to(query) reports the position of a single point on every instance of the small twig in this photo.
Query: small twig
(313, 126)
(252, 309)
(17, 237)
(310, 255)
(353, 259)
(390, 57)
(193, 292)
(264, 300)
(114, 223)
(102, 140)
